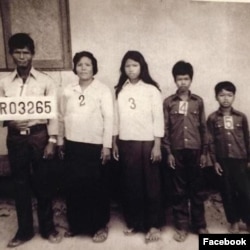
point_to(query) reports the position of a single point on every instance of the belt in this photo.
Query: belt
(28, 131)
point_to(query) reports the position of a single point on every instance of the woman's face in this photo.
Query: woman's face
(84, 68)
(132, 70)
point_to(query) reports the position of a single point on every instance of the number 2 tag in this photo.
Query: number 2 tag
(228, 122)
(183, 107)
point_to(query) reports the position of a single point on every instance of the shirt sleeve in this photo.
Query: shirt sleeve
(2, 123)
(203, 129)
(108, 117)
(246, 136)
(211, 139)
(166, 139)
(116, 119)
(157, 112)
(52, 125)
(61, 114)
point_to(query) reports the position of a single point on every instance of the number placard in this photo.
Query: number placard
(28, 107)
(228, 122)
(183, 107)
(132, 103)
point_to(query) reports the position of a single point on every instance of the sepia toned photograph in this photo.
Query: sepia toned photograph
(124, 124)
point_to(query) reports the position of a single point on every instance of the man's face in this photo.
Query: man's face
(22, 57)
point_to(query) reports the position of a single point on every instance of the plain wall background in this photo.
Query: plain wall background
(213, 36)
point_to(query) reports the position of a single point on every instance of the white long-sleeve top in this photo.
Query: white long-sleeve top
(139, 112)
(86, 116)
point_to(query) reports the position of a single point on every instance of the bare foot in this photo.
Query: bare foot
(234, 228)
(154, 234)
(101, 235)
(180, 235)
(129, 231)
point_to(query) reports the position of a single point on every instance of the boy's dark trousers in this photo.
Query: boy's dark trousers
(187, 190)
(26, 151)
(235, 190)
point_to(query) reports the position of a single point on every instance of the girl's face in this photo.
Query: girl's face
(84, 68)
(132, 70)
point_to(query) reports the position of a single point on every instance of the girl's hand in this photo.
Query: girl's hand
(105, 155)
(171, 161)
(115, 152)
(218, 169)
(156, 154)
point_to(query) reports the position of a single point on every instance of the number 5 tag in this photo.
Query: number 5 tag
(183, 107)
(228, 122)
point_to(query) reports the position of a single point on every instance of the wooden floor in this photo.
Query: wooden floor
(116, 240)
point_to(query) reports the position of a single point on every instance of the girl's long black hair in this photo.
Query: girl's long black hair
(144, 74)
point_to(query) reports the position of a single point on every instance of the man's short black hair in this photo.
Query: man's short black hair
(182, 68)
(20, 41)
(226, 85)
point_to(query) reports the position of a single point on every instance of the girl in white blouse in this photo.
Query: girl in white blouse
(139, 126)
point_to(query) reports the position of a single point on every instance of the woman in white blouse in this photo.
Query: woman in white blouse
(85, 137)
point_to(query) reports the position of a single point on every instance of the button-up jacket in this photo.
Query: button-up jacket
(228, 143)
(184, 130)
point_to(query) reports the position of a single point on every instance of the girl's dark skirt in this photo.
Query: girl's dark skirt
(141, 186)
(86, 190)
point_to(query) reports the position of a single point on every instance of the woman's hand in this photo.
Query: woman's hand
(105, 155)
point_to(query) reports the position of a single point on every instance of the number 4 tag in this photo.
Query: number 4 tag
(228, 122)
(183, 107)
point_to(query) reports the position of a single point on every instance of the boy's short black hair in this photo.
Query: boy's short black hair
(77, 57)
(20, 41)
(182, 68)
(226, 85)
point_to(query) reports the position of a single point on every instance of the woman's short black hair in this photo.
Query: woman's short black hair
(20, 41)
(77, 57)
(226, 85)
(182, 68)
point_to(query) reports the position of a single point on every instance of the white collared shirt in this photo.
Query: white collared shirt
(139, 112)
(37, 84)
(86, 116)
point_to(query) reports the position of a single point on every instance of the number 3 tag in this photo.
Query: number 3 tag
(228, 122)
(183, 107)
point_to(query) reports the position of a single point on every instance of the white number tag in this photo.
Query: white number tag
(228, 122)
(132, 103)
(28, 107)
(183, 107)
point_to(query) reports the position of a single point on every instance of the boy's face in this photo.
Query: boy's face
(183, 81)
(225, 98)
